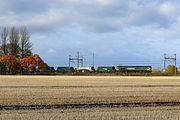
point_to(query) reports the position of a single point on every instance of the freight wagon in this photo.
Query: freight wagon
(65, 69)
(105, 69)
(85, 69)
(47, 69)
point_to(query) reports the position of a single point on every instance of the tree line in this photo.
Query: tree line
(16, 52)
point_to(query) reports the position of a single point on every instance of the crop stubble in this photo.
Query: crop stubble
(98, 97)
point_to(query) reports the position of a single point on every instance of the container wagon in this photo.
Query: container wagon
(86, 69)
(105, 69)
(65, 69)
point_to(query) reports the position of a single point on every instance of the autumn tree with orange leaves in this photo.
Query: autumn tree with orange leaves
(9, 64)
(12, 65)
(32, 63)
(15, 52)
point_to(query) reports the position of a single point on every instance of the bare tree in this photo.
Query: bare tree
(14, 48)
(25, 45)
(4, 41)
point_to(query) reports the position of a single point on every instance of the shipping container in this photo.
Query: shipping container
(65, 69)
(105, 69)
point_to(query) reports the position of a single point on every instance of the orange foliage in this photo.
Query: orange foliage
(11, 60)
(31, 62)
(14, 64)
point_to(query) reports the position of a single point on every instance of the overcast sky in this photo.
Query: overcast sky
(122, 32)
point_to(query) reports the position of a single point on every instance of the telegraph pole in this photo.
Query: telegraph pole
(78, 59)
(69, 63)
(93, 59)
(175, 63)
(164, 61)
(82, 60)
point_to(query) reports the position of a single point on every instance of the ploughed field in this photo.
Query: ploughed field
(89, 97)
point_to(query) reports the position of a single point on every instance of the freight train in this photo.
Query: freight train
(103, 69)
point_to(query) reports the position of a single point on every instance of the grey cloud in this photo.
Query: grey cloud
(88, 14)
(118, 15)
(122, 28)
(25, 6)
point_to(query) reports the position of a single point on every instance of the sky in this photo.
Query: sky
(124, 32)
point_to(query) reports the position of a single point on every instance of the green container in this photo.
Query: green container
(51, 69)
(65, 69)
(46, 69)
(105, 69)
